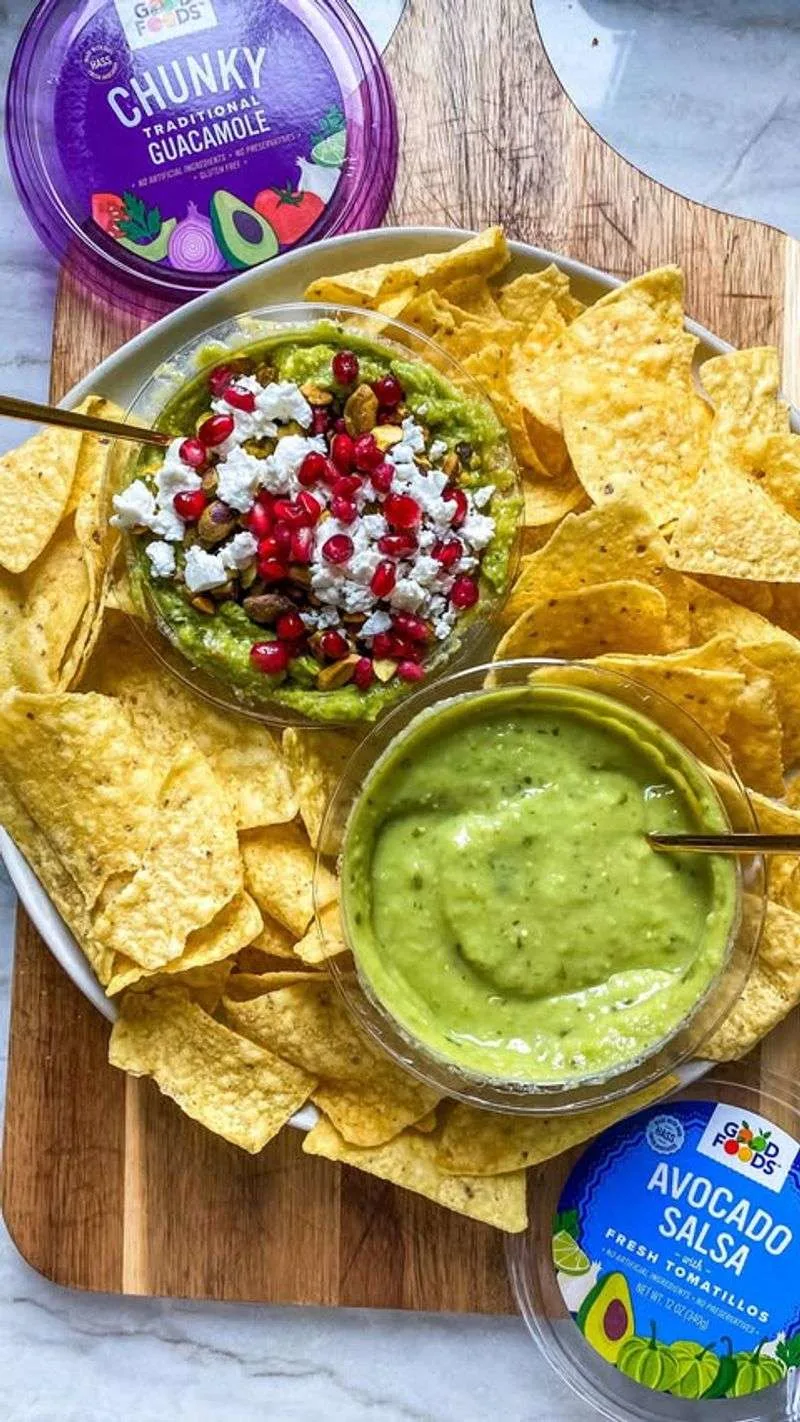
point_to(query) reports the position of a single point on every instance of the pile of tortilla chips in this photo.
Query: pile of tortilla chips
(662, 538)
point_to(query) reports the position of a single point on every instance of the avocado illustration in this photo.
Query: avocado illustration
(243, 236)
(156, 249)
(606, 1315)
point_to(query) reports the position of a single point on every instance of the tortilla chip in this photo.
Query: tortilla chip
(189, 872)
(483, 255)
(230, 930)
(279, 873)
(426, 1124)
(753, 734)
(228, 1084)
(705, 694)
(205, 985)
(621, 616)
(246, 757)
(615, 541)
(56, 603)
(315, 761)
(81, 772)
(524, 298)
(645, 436)
(410, 1161)
(273, 940)
(547, 500)
(473, 296)
(743, 387)
(771, 991)
(243, 987)
(324, 939)
(35, 482)
(731, 527)
(368, 1098)
(486, 1143)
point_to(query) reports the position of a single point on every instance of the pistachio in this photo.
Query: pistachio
(387, 435)
(384, 668)
(266, 608)
(266, 373)
(451, 465)
(300, 574)
(315, 394)
(201, 603)
(209, 483)
(248, 575)
(464, 451)
(338, 673)
(259, 448)
(224, 593)
(361, 410)
(216, 522)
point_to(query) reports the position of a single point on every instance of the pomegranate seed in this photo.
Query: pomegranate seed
(347, 485)
(320, 421)
(383, 580)
(220, 378)
(272, 570)
(302, 545)
(290, 627)
(340, 426)
(448, 553)
(215, 430)
(404, 649)
(464, 593)
(333, 645)
(408, 625)
(269, 657)
(240, 399)
(258, 520)
(363, 673)
(459, 498)
(343, 509)
(342, 452)
(268, 547)
(410, 671)
(382, 645)
(193, 453)
(309, 506)
(389, 391)
(338, 548)
(397, 545)
(331, 475)
(366, 453)
(288, 512)
(282, 534)
(345, 368)
(382, 477)
(402, 511)
(266, 499)
(190, 504)
(312, 469)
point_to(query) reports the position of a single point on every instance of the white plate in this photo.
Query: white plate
(120, 377)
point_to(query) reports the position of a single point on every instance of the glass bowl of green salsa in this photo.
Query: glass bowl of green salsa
(516, 941)
(334, 521)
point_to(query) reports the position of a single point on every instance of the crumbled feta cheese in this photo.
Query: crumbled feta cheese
(240, 551)
(326, 582)
(279, 470)
(413, 435)
(481, 497)
(363, 564)
(407, 595)
(378, 621)
(401, 454)
(443, 625)
(437, 450)
(477, 530)
(238, 479)
(168, 524)
(374, 525)
(134, 507)
(162, 558)
(247, 424)
(283, 400)
(175, 477)
(204, 570)
(427, 570)
(355, 598)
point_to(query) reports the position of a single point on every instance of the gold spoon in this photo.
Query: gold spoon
(79, 420)
(728, 843)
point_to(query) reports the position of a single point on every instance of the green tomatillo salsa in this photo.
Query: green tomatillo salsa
(501, 898)
(329, 517)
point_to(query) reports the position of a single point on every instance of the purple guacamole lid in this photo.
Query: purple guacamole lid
(161, 146)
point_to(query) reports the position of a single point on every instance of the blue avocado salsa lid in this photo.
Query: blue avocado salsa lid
(659, 1275)
(161, 146)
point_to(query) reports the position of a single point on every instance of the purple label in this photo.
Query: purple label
(201, 137)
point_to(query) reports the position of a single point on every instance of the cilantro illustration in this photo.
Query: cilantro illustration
(567, 1220)
(788, 1350)
(332, 121)
(140, 223)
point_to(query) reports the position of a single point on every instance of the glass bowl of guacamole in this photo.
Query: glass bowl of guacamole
(517, 941)
(333, 522)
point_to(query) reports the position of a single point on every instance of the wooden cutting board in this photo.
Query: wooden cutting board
(106, 1185)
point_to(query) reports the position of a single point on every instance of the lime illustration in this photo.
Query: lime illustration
(568, 1255)
(329, 152)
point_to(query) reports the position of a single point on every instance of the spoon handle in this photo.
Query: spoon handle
(78, 420)
(728, 843)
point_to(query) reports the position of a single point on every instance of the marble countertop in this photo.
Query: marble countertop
(721, 131)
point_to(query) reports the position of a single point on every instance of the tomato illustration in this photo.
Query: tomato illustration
(107, 211)
(731, 1147)
(290, 213)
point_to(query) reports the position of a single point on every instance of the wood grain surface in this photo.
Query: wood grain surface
(106, 1185)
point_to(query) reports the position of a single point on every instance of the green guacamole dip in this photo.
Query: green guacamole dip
(502, 901)
(220, 644)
